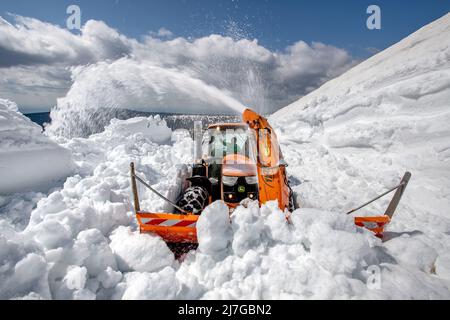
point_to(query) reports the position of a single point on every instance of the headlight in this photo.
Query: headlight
(251, 180)
(229, 181)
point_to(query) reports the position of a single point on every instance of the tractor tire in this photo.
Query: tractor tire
(194, 200)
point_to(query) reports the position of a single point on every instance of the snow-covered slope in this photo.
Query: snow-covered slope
(28, 159)
(355, 136)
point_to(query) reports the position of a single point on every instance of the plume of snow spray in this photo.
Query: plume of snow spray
(100, 90)
(105, 90)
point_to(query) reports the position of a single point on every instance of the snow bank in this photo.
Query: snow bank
(80, 236)
(28, 159)
(23, 269)
(321, 256)
(354, 137)
(81, 241)
(386, 115)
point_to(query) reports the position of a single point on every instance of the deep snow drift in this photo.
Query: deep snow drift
(82, 243)
(346, 142)
(65, 250)
(355, 136)
(28, 159)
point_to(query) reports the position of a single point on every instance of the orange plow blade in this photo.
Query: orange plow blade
(173, 228)
(374, 224)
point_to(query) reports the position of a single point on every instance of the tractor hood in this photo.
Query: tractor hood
(236, 165)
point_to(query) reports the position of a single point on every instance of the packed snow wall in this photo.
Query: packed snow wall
(28, 159)
(362, 130)
(354, 137)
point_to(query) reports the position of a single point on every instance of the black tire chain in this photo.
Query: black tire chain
(194, 199)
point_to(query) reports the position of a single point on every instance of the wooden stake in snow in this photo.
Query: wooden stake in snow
(137, 207)
(395, 200)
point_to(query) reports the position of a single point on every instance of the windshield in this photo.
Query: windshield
(223, 142)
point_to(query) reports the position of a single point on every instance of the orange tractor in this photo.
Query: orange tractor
(241, 161)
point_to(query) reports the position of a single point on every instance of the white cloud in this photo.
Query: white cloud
(33, 42)
(162, 33)
(35, 58)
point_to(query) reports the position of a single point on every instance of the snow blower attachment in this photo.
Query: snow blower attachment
(242, 161)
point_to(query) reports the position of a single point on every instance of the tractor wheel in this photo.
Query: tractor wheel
(194, 199)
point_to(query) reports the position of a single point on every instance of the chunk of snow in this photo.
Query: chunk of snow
(75, 278)
(443, 266)
(109, 278)
(149, 286)
(51, 234)
(92, 250)
(213, 228)
(247, 228)
(23, 269)
(139, 252)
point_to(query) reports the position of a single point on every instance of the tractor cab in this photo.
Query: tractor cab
(229, 154)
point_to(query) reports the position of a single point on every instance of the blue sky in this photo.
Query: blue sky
(275, 23)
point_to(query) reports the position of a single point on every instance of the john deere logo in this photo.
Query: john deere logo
(241, 189)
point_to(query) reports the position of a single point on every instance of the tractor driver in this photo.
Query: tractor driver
(235, 146)
(223, 150)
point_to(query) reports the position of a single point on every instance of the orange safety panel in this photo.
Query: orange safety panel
(170, 227)
(374, 224)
